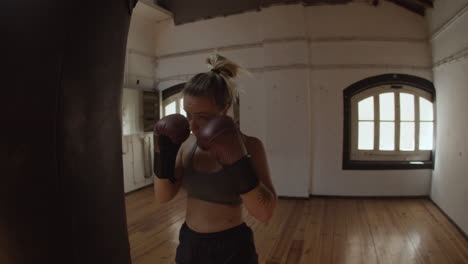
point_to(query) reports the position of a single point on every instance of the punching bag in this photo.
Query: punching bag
(61, 190)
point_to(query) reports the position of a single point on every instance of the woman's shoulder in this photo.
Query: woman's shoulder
(253, 144)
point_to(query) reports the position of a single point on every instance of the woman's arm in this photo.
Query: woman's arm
(261, 201)
(169, 136)
(164, 189)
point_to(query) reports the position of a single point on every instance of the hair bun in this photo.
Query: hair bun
(223, 66)
(216, 71)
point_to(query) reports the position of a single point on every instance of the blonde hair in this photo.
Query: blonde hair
(217, 83)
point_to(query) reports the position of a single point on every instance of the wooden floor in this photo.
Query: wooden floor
(318, 230)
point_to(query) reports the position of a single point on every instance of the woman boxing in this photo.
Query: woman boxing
(220, 168)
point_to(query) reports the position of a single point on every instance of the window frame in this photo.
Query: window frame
(174, 98)
(170, 95)
(391, 160)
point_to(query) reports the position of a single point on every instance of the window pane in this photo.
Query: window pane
(406, 107)
(366, 109)
(170, 109)
(426, 111)
(426, 130)
(387, 106)
(387, 136)
(407, 136)
(181, 107)
(366, 136)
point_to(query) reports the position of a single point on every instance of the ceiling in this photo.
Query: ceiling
(185, 11)
(416, 6)
(147, 9)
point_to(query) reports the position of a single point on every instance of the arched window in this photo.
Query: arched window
(173, 101)
(389, 123)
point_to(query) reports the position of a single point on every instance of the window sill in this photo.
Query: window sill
(387, 165)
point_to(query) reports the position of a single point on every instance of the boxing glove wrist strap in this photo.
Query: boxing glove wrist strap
(244, 171)
(164, 161)
(159, 168)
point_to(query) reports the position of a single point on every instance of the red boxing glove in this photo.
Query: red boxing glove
(175, 126)
(221, 137)
(169, 133)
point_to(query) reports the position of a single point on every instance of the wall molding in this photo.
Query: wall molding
(178, 77)
(370, 39)
(284, 40)
(369, 66)
(141, 53)
(313, 67)
(450, 22)
(139, 76)
(281, 67)
(185, 53)
(457, 56)
(293, 39)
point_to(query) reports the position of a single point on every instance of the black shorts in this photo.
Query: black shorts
(232, 246)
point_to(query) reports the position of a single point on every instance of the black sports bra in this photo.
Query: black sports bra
(214, 187)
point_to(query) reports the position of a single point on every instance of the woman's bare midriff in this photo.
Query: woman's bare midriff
(208, 217)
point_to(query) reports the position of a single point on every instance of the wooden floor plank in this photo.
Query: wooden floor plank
(440, 220)
(391, 244)
(327, 232)
(295, 252)
(281, 248)
(421, 235)
(444, 234)
(313, 231)
(359, 234)
(267, 236)
(311, 252)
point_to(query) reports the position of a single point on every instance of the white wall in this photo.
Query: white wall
(140, 57)
(364, 41)
(450, 49)
(139, 75)
(139, 66)
(137, 156)
(132, 111)
(301, 59)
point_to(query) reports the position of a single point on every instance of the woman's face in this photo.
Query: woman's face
(200, 110)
